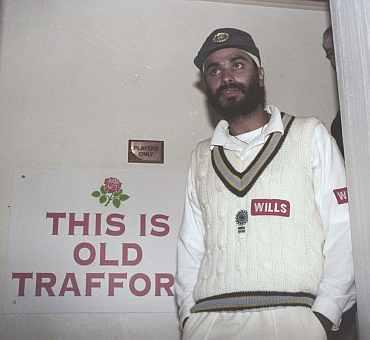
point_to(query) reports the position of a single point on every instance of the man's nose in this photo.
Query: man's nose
(227, 76)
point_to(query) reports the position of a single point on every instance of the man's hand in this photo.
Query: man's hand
(326, 323)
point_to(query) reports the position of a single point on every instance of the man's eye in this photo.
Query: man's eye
(238, 66)
(214, 72)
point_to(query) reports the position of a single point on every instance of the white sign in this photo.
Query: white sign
(93, 241)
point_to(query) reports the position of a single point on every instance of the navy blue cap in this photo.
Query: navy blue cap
(226, 38)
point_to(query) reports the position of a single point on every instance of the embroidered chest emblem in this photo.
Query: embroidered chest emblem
(241, 220)
(239, 183)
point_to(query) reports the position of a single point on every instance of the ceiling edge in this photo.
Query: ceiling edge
(296, 4)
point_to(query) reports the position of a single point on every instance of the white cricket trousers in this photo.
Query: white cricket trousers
(287, 323)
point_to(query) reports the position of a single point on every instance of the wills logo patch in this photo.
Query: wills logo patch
(341, 195)
(270, 207)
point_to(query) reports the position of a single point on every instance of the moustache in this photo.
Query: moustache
(230, 87)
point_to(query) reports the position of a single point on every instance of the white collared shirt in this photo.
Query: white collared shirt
(244, 142)
(336, 290)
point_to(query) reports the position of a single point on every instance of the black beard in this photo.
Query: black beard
(253, 96)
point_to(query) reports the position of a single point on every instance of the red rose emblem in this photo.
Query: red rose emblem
(110, 192)
(112, 184)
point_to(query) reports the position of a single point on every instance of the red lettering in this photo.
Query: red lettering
(167, 284)
(142, 225)
(90, 283)
(70, 278)
(138, 284)
(46, 281)
(125, 254)
(114, 220)
(164, 228)
(98, 224)
(112, 283)
(133, 284)
(77, 256)
(55, 217)
(73, 223)
(103, 257)
(21, 277)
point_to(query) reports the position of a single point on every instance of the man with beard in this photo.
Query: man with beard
(264, 250)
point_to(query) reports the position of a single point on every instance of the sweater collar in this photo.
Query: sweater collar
(222, 137)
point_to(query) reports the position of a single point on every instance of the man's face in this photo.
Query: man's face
(328, 46)
(232, 81)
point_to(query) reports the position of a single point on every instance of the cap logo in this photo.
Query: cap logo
(221, 37)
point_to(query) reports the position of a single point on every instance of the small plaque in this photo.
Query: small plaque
(145, 151)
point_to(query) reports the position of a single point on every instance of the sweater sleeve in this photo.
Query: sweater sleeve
(336, 291)
(190, 249)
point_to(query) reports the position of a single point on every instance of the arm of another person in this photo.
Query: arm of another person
(190, 249)
(336, 291)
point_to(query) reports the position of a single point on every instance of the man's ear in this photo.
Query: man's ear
(261, 76)
(201, 83)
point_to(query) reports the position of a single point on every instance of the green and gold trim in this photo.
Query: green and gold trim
(239, 183)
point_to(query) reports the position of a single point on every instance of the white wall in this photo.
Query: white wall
(80, 78)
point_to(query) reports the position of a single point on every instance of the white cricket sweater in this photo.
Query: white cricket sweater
(276, 253)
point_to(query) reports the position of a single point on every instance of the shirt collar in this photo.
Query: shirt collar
(222, 137)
